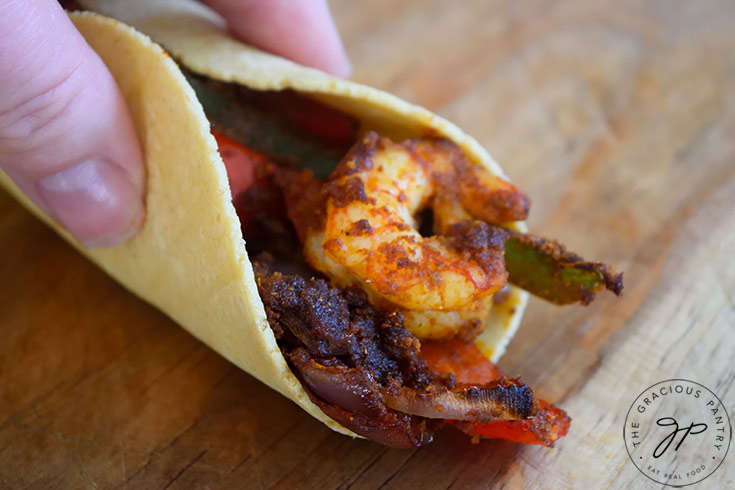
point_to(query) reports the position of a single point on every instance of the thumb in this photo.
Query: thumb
(66, 137)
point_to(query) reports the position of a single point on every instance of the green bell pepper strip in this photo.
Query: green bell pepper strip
(545, 268)
(264, 131)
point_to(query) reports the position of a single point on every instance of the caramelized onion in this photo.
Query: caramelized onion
(353, 389)
(397, 430)
(352, 397)
(502, 399)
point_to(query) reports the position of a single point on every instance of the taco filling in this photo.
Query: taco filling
(378, 263)
(387, 260)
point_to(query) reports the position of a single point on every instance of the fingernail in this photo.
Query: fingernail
(343, 69)
(339, 64)
(95, 201)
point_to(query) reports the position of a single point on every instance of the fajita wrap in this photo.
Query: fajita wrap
(189, 259)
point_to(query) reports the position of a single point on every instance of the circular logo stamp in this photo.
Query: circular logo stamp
(677, 432)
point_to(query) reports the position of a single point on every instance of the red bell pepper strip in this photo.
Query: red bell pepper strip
(547, 425)
(240, 162)
(461, 359)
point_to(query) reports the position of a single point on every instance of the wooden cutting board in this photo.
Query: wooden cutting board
(617, 118)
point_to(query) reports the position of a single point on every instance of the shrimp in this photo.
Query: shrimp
(465, 323)
(365, 231)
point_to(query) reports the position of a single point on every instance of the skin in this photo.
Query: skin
(87, 172)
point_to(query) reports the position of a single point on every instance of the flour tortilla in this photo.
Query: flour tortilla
(189, 259)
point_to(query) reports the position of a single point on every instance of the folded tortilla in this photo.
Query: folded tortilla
(189, 259)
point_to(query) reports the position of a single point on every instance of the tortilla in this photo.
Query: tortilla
(189, 260)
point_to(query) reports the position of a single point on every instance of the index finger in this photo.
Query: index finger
(301, 30)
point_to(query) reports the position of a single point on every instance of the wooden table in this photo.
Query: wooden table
(618, 118)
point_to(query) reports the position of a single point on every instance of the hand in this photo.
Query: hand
(66, 136)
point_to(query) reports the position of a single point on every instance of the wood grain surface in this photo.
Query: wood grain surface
(617, 118)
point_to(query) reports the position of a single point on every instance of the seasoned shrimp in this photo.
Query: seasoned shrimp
(364, 231)
(466, 322)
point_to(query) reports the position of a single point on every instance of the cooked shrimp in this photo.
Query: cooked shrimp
(365, 232)
(482, 195)
(466, 322)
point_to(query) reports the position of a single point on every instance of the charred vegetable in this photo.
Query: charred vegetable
(290, 129)
(547, 269)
